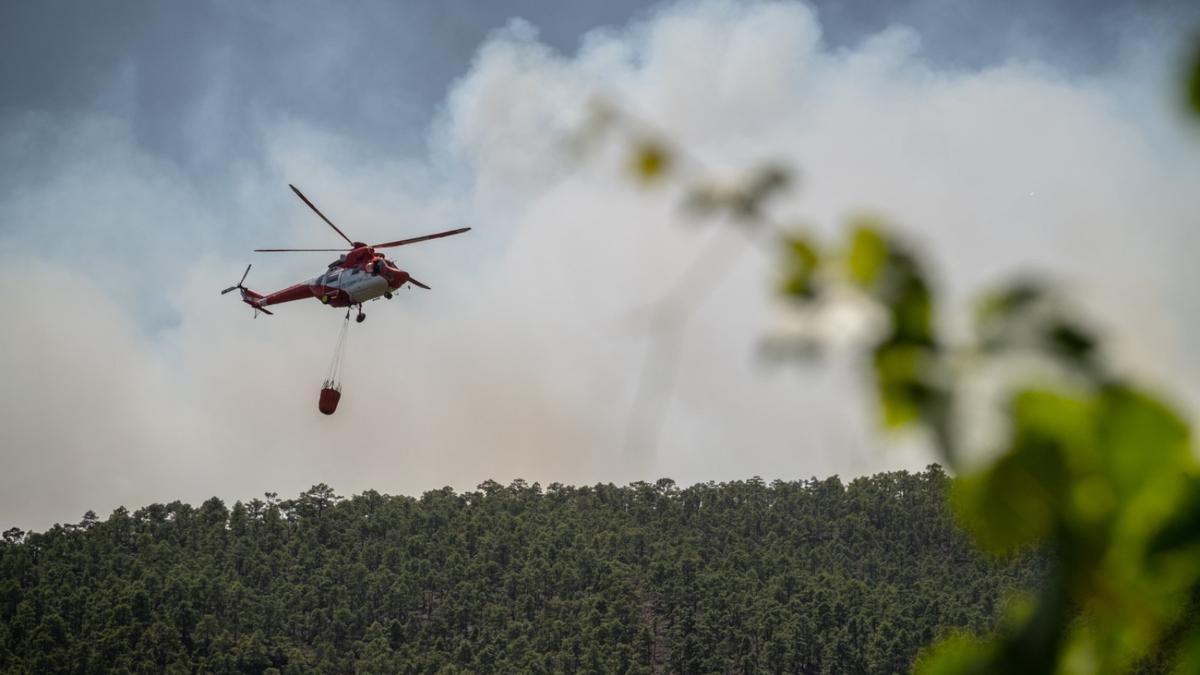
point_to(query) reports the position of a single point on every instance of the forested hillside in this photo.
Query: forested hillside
(808, 576)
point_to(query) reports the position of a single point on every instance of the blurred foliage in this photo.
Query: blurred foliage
(741, 199)
(799, 268)
(650, 160)
(1092, 468)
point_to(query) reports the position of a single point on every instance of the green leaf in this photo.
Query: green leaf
(1187, 658)
(997, 313)
(1045, 416)
(954, 656)
(1014, 299)
(1020, 498)
(1182, 530)
(904, 373)
(651, 160)
(899, 408)
(1193, 80)
(1141, 439)
(1071, 342)
(803, 252)
(764, 182)
(911, 308)
(800, 264)
(1015, 502)
(867, 255)
(1026, 316)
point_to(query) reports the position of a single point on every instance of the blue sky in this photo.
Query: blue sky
(145, 149)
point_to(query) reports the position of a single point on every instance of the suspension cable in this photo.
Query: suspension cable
(339, 352)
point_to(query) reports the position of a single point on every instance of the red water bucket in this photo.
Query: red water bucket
(329, 400)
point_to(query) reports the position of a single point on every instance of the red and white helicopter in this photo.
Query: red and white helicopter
(358, 275)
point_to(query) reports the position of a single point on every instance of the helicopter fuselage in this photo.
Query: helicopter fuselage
(353, 284)
(359, 275)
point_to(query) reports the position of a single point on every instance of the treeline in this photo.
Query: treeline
(792, 577)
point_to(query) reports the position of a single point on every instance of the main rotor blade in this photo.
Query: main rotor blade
(419, 284)
(427, 237)
(231, 288)
(318, 212)
(286, 250)
(244, 274)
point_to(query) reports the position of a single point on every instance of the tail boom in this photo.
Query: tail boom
(255, 300)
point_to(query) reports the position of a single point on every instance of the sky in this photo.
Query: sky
(146, 148)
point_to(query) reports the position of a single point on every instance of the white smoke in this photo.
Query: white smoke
(524, 359)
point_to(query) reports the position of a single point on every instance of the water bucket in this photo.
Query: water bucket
(329, 400)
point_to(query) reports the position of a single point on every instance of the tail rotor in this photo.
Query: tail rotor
(248, 296)
(239, 283)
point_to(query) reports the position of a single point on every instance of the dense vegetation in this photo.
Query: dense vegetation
(809, 576)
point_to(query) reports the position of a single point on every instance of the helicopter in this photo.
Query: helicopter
(358, 275)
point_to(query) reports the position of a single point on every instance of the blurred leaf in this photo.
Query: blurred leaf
(599, 119)
(1093, 501)
(1182, 529)
(1013, 299)
(802, 251)
(1028, 318)
(905, 373)
(1050, 416)
(1193, 79)
(1187, 658)
(762, 184)
(912, 307)
(651, 160)
(1032, 645)
(744, 198)
(1140, 437)
(791, 347)
(996, 313)
(954, 656)
(704, 199)
(1013, 504)
(907, 362)
(799, 265)
(1028, 641)
(797, 285)
(770, 178)
(1017, 500)
(868, 252)
(1071, 342)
